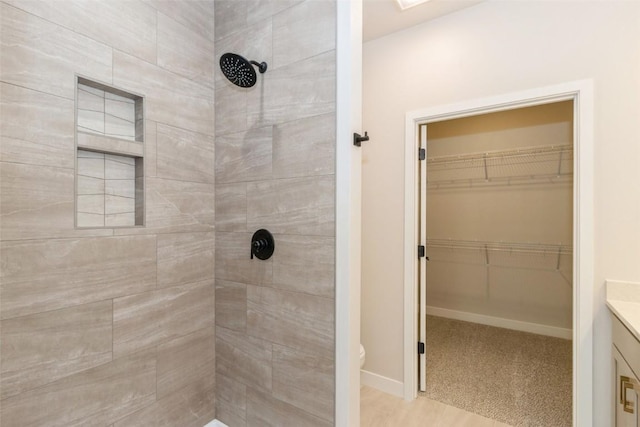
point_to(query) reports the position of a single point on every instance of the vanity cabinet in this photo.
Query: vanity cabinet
(626, 363)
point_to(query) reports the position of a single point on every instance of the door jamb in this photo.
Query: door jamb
(581, 93)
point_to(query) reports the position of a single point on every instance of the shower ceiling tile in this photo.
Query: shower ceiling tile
(303, 31)
(36, 128)
(52, 53)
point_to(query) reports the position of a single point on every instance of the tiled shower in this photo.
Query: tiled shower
(127, 294)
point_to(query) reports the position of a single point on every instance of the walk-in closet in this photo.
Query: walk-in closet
(499, 228)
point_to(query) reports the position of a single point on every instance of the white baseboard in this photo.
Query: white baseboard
(517, 325)
(215, 423)
(393, 387)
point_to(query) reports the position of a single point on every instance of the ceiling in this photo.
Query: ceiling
(382, 17)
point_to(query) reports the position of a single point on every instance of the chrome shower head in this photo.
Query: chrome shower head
(240, 71)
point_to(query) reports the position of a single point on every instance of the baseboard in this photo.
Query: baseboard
(215, 423)
(517, 325)
(393, 387)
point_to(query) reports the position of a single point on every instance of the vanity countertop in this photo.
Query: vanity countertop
(623, 299)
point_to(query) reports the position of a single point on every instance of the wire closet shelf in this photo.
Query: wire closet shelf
(523, 166)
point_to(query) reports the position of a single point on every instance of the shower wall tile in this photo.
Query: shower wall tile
(150, 149)
(36, 128)
(176, 207)
(305, 147)
(293, 319)
(192, 406)
(38, 202)
(145, 320)
(186, 360)
(43, 275)
(258, 10)
(185, 52)
(41, 348)
(26, 39)
(303, 31)
(97, 396)
(244, 156)
(304, 380)
(197, 15)
(231, 109)
(230, 17)
(166, 93)
(185, 258)
(234, 262)
(255, 44)
(231, 401)
(231, 207)
(293, 206)
(305, 264)
(243, 358)
(129, 25)
(302, 89)
(267, 411)
(231, 305)
(184, 155)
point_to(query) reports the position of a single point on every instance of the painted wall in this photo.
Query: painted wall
(489, 49)
(109, 326)
(275, 169)
(533, 207)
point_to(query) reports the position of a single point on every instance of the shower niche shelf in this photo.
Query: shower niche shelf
(109, 156)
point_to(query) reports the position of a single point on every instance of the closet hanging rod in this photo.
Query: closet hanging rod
(500, 154)
(513, 247)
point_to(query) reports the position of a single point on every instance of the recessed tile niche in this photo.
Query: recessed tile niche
(110, 156)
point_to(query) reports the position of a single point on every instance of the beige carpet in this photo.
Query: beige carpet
(514, 377)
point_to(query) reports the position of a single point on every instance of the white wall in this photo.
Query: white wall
(493, 48)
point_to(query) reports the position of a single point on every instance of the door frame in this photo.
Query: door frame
(581, 93)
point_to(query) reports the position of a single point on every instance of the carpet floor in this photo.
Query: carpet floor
(517, 378)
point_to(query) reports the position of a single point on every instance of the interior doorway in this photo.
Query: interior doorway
(579, 94)
(495, 279)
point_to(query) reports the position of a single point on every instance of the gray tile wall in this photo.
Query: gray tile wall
(275, 169)
(108, 326)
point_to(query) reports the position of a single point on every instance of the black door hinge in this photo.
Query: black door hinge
(420, 348)
(422, 154)
(421, 251)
